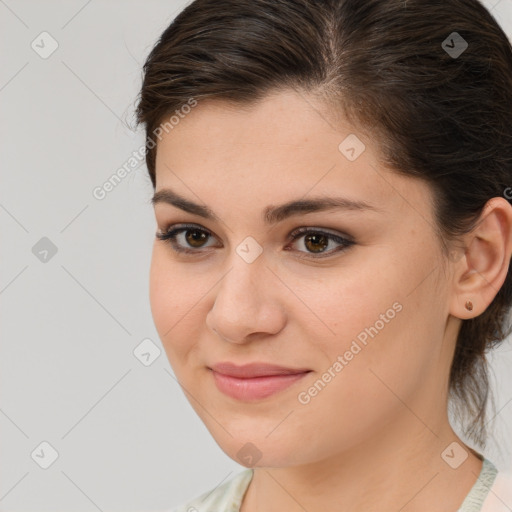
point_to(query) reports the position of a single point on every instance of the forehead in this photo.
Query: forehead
(280, 148)
(283, 117)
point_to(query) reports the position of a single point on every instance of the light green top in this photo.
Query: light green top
(229, 496)
(476, 497)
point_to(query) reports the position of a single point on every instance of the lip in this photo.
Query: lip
(256, 369)
(254, 381)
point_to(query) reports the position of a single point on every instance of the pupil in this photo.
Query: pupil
(317, 239)
(199, 236)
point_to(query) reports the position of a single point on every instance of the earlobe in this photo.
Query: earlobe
(482, 271)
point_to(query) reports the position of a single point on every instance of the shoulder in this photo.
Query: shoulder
(226, 497)
(499, 498)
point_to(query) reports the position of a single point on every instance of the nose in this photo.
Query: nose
(247, 303)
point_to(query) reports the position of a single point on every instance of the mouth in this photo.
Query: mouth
(255, 381)
(255, 369)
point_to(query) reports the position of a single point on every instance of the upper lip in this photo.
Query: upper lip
(257, 369)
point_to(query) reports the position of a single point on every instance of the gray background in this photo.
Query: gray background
(127, 438)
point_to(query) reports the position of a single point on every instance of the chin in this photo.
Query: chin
(254, 449)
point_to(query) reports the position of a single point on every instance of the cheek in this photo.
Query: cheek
(350, 300)
(175, 304)
(358, 394)
(382, 327)
(162, 297)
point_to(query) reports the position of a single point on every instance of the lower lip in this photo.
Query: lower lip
(255, 388)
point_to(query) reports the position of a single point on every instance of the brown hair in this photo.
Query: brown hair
(390, 67)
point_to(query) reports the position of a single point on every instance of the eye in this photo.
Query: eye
(191, 239)
(317, 241)
(193, 235)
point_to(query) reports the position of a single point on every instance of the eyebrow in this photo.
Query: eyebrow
(271, 214)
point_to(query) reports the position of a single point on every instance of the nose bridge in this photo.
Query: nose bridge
(239, 290)
(248, 270)
(244, 302)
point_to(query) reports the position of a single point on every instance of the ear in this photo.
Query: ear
(481, 272)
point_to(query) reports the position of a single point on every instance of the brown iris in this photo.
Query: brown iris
(197, 237)
(316, 239)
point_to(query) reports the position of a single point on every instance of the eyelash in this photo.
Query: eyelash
(169, 237)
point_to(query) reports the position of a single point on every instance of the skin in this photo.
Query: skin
(372, 439)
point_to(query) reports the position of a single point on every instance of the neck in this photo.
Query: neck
(401, 468)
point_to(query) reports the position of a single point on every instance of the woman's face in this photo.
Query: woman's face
(366, 318)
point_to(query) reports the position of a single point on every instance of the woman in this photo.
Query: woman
(332, 259)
